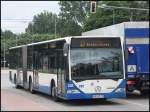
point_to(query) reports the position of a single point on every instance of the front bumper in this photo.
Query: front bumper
(95, 96)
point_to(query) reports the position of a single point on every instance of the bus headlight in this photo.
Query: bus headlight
(120, 90)
(73, 91)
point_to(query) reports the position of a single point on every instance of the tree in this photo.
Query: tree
(7, 41)
(68, 28)
(104, 17)
(69, 22)
(74, 10)
(7, 34)
(42, 23)
(72, 16)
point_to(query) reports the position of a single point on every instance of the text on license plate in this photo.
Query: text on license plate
(98, 96)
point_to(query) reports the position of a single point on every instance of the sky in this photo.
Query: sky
(15, 15)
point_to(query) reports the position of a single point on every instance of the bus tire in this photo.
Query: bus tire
(15, 82)
(144, 92)
(31, 86)
(53, 94)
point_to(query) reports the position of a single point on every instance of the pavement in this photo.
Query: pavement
(13, 99)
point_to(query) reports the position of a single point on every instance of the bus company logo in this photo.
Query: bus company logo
(92, 84)
(97, 89)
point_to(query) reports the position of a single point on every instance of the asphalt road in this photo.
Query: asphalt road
(20, 99)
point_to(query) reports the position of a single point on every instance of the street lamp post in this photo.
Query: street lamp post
(55, 26)
(4, 53)
(32, 31)
(131, 17)
(113, 10)
(113, 16)
(16, 40)
(127, 8)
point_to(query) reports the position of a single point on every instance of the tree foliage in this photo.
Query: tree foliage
(42, 23)
(9, 39)
(69, 22)
(104, 16)
(7, 34)
(74, 10)
(72, 16)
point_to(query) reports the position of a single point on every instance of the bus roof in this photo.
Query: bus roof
(59, 39)
(37, 43)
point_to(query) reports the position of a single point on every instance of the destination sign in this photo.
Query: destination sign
(95, 43)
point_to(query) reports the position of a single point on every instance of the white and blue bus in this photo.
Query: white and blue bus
(78, 67)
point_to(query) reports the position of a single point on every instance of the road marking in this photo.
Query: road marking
(134, 103)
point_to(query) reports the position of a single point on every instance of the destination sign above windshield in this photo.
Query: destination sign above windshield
(95, 43)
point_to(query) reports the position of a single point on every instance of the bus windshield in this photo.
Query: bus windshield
(96, 63)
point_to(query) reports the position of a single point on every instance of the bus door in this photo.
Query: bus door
(24, 57)
(35, 79)
(60, 73)
(35, 70)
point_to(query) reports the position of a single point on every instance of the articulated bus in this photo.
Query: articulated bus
(70, 68)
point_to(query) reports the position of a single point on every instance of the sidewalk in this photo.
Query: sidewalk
(6, 68)
(4, 71)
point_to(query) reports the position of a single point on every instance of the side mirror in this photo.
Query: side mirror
(65, 49)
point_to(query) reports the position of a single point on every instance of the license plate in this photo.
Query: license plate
(98, 96)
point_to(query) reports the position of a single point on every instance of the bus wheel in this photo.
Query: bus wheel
(53, 93)
(15, 82)
(31, 86)
(144, 92)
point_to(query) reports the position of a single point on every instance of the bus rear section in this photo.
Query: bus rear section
(137, 63)
(96, 69)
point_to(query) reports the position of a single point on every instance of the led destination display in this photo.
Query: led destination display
(95, 43)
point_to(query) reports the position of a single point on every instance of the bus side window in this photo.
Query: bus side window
(52, 64)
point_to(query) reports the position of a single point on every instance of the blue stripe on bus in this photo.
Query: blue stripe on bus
(44, 89)
(121, 85)
(90, 96)
(137, 32)
(74, 86)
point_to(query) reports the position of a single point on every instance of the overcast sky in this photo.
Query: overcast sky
(11, 11)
